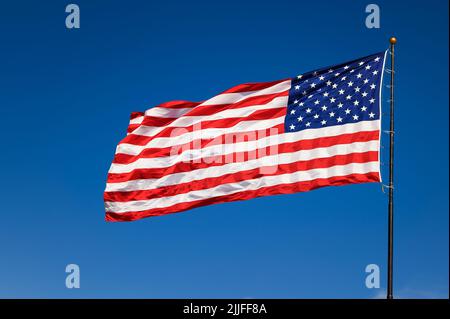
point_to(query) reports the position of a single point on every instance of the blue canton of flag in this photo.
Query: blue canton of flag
(341, 94)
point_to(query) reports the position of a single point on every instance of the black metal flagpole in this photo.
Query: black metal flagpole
(390, 295)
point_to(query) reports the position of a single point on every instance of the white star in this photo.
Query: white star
(365, 81)
(359, 75)
(308, 110)
(310, 96)
(377, 59)
(323, 122)
(346, 67)
(313, 85)
(347, 111)
(299, 76)
(326, 94)
(343, 78)
(361, 63)
(372, 100)
(352, 70)
(373, 86)
(293, 112)
(339, 119)
(368, 67)
(356, 102)
(328, 83)
(340, 105)
(355, 117)
(315, 73)
(334, 86)
(371, 115)
(321, 78)
(341, 91)
(364, 108)
(331, 114)
(375, 72)
(297, 87)
(316, 102)
(296, 101)
(300, 118)
(301, 104)
(357, 89)
(348, 97)
(316, 116)
(324, 108)
(330, 71)
(350, 83)
(332, 100)
(292, 127)
(304, 92)
(337, 74)
(308, 124)
(364, 94)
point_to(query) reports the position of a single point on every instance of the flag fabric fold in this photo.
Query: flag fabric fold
(320, 128)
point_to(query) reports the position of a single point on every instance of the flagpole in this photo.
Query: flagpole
(390, 295)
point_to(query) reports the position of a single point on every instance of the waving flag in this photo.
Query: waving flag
(320, 128)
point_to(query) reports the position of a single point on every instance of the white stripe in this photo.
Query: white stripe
(137, 120)
(232, 188)
(159, 111)
(242, 146)
(210, 133)
(197, 155)
(187, 120)
(225, 98)
(231, 168)
(228, 98)
(380, 109)
(225, 149)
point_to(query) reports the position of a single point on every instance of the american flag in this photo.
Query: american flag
(320, 128)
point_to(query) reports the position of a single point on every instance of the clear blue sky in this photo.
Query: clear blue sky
(65, 99)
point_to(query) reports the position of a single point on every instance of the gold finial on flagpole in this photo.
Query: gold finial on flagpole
(393, 40)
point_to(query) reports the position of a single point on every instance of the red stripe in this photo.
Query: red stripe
(157, 121)
(211, 109)
(222, 123)
(201, 110)
(132, 127)
(135, 115)
(206, 110)
(242, 156)
(179, 104)
(170, 105)
(249, 87)
(266, 191)
(259, 172)
(200, 143)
